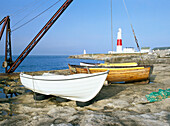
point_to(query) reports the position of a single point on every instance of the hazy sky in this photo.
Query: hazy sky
(86, 24)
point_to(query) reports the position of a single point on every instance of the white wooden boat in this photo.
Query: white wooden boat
(88, 64)
(78, 87)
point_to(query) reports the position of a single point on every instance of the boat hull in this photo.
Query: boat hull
(81, 87)
(127, 74)
(108, 64)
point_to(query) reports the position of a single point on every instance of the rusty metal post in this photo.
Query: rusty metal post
(8, 52)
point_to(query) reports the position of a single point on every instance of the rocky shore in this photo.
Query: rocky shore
(116, 104)
(156, 57)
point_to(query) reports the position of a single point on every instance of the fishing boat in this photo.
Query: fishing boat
(117, 74)
(108, 64)
(78, 87)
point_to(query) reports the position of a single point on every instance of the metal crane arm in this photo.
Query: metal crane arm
(37, 38)
(4, 20)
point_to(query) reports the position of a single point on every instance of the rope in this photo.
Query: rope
(36, 16)
(132, 30)
(111, 28)
(27, 15)
(19, 11)
(131, 25)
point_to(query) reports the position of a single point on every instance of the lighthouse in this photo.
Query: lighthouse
(119, 41)
(84, 52)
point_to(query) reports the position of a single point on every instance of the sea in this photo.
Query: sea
(45, 63)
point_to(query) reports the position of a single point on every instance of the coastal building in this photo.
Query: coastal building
(119, 45)
(129, 50)
(145, 50)
(111, 52)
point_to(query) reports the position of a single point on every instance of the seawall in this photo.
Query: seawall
(156, 57)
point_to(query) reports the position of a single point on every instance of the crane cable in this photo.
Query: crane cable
(131, 25)
(35, 16)
(27, 15)
(19, 11)
(111, 26)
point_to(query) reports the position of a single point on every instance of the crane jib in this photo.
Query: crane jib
(37, 38)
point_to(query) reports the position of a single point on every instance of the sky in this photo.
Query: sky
(86, 24)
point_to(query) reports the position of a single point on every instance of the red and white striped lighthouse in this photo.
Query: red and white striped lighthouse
(119, 41)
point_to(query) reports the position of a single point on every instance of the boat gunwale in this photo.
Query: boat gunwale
(103, 64)
(89, 76)
(79, 66)
(91, 63)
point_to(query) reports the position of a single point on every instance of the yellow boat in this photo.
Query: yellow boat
(118, 64)
(117, 74)
(108, 64)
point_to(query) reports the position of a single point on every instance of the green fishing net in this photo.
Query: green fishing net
(158, 96)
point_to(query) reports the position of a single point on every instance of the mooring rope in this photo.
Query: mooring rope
(136, 40)
(131, 25)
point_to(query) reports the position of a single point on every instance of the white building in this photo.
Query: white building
(145, 50)
(129, 50)
(111, 52)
